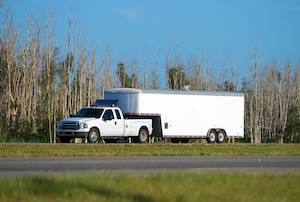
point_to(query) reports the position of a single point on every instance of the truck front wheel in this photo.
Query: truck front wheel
(93, 136)
(143, 136)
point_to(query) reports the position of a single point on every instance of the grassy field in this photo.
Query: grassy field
(197, 149)
(162, 187)
(177, 186)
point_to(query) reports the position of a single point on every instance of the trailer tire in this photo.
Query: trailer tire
(212, 136)
(143, 136)
(93, 136)
(184, 140)
(221, 136)
(175, 140)
(65, 139)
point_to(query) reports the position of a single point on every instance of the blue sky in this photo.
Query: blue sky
(132, 28)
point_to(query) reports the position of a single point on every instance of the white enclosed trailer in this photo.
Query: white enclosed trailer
(184, 114)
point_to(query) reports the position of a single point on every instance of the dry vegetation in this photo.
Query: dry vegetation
(41, 83)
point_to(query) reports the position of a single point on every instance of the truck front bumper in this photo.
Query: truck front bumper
(74, 134)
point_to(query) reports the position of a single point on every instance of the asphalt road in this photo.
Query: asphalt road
(10, 167)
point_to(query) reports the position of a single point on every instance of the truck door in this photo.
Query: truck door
(111, 125)
(119, 122)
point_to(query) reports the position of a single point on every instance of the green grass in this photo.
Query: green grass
(177, 186)
(162, 187)
(197, 149)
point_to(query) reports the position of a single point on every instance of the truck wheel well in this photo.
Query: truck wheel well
(144, 127)
(96, 129)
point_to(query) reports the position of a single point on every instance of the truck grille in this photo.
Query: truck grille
(69, 126)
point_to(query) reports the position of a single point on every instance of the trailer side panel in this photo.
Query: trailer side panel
(185, 114)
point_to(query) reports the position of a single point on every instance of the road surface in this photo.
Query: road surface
(143, 165)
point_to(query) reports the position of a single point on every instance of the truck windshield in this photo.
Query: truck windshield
(87, 112)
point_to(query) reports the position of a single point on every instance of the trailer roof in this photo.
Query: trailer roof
(178, 92)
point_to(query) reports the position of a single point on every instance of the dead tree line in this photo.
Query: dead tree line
(272, 95)
(40, 83)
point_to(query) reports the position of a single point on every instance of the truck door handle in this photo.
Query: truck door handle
(115, 123)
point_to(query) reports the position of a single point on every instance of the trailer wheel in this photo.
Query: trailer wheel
(143, 136)
(175, 140)
(221, 136)
(212, 136)
(93, 136)
(65, 139)
(184, 140)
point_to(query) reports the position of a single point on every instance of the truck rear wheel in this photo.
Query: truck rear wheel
(221, 136)
(212, 136)
(143, 136)
(93, 136)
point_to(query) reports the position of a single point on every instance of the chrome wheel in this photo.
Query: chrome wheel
(212, 137)
(221, 136)
(93, 136)
(143, 136)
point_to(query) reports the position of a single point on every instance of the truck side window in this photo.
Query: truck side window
(108, 115)
(118, 114)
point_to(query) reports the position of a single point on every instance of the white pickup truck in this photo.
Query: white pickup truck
(105, 122)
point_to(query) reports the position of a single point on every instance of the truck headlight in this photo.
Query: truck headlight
(83, 125)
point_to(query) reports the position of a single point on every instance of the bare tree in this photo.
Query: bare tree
(106, 72)
(91, 86)
(168, 66)
(49, 78)
(145, 80)
(9, 41)
(271, 103)
(135, 74)
(221, 73)
(69, 72)
(255, 99)
(155, 74)
(234, 76)
(197, 74)
(284, 99)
